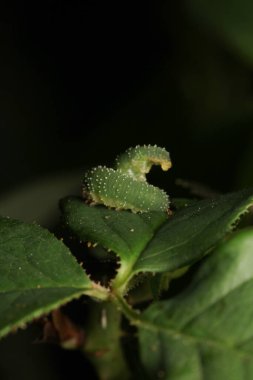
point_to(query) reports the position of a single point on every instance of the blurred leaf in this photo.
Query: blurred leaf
(37, 274)
(103, 341)
(229, 19)
(37, 200)
(245, 167)
(207, 331)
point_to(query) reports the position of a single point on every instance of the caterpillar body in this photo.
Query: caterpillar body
(125, 187)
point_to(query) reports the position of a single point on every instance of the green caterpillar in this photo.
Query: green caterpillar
(125, 187)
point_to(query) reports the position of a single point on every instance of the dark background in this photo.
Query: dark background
(82, 80)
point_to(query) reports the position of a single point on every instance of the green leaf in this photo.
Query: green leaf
(37, 274)
(151, 242)
(122, 232)
(193, 232)
(206, 332)
(231, 21)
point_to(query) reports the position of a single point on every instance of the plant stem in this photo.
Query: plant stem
(103, 341)
(127, 310)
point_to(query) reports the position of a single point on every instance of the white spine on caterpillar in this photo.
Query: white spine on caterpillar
(125, 187)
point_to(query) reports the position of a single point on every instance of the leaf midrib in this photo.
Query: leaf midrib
(135, 257)
(195, 340)
(125, 242)
(191, 338)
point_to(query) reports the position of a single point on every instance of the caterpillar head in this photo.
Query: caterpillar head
(138, 161)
